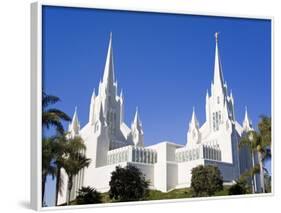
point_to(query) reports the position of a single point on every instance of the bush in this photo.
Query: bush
(88, 195)
(128, 184)
(206, 181)
(238, 188)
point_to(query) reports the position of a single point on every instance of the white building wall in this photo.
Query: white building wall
(184, 172)
(99, 177)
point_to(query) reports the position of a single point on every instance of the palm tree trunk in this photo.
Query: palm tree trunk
(44, 178)
(261, 171)
(254, 182)
(69, 189)
(57, 185)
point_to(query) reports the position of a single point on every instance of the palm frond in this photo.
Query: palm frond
(62, 115)
(49, 99)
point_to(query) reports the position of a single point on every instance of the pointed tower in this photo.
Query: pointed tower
(218, 81)
(247, 124)
(108, 94)
(220, 106)
(137, 131)
(109, 84)
(193, 134)
(74, 126)
(98, 150)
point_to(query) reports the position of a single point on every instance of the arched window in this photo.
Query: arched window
(217, 120)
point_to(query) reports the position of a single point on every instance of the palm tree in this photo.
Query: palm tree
(72, 167)
(245, 141)
(64, 148)
(47, 167)
(74, 161)
(260, 142)
(52, 116)
(59, 151)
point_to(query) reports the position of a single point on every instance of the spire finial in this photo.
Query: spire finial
(194, 121)
(193, 114)
(108, 75)
(217, 36)
(75, 126)
(218, 76)
(137, 121)
(247, 123)
(94, 93)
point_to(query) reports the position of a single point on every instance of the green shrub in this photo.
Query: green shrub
(128, 184)
(206, 181)
(88, 195)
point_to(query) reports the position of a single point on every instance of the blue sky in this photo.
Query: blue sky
(163, 62)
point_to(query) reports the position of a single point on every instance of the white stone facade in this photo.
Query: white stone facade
(110, 142)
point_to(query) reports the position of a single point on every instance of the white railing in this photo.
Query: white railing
(210, 152)
(131, 154)
(144, 155)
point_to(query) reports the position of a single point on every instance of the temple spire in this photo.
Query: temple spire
(246, 123)
(218, 76)
(137, 121)
(74, 127)
(194, 121)
(137, 131)
(108, 75)
(121, 94)
(93, 95)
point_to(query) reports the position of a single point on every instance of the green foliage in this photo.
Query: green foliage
(265, 129)
(128, 184)
(68, 154)
(206, 181)
(240, 187)
(174, 194)
(259, 142)
(88, 195)
(52, 116)
(74, 160)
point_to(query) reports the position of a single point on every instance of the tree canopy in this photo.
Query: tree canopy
(206, 180)
(128, 184)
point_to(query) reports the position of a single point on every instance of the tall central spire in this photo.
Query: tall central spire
(218, 76)
(108, 75)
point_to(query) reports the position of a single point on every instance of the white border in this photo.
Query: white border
(36, 97)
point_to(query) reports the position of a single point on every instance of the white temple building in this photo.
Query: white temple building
(111, 142)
